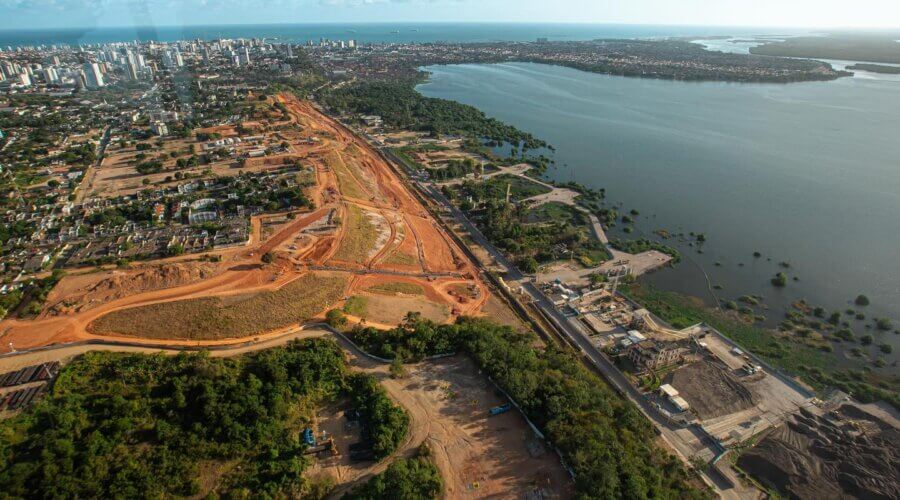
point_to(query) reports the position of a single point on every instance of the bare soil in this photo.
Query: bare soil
(846, 454)
(81, 292)
(710, 390)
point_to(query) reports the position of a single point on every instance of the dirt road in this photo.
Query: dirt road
(447, 401)
(349, 173)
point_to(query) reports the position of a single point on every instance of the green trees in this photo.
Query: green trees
(602, 437)
(407, 479)
(385, 424)
(336, 318)
(134, 425)
(413, 340)
(400, 105)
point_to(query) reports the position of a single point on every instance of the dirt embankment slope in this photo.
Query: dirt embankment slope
(846, 454)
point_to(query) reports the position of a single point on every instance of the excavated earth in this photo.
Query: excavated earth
(848, 453)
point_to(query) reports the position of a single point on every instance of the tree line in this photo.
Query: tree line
(400, 105)
(603, 437)
(132, 425)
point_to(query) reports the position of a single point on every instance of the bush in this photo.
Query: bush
(336, 318)
(407, 479)
(384, 423)
(861, 300)
(780, 280)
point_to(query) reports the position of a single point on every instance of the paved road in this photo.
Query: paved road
(574, 331)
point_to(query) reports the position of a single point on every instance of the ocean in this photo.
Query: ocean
(373, 32)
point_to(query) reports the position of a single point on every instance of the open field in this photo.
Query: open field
(391, 310)
(396, 288)
(229, 316)
(359, 235)
(478, 455)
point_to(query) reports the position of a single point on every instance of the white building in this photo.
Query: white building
(159, 128)
(92, 77)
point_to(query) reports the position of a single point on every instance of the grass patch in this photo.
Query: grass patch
(397, 287)
(401, 259)
(214, 318)
(355, 306)
(519, 187)
(553, 211)
(359, 236)
(347, 183)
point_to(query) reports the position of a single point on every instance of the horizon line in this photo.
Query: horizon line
(537, 23)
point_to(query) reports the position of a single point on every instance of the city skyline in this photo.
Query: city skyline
(38, 14)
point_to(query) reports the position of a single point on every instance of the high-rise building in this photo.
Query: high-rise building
(51, 76)
(8, 69)
(93, 79)
(290, 51)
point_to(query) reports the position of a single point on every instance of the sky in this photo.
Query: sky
(23, 14)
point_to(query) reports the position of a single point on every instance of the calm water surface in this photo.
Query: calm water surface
(375, 32)
(805, 173)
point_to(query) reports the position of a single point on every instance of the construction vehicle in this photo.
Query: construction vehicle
(497, 410)
(308, 437)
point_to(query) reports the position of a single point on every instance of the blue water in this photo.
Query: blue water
(373, 32)
(807, 173)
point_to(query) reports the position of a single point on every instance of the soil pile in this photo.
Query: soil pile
(132, 282)
(847, 454)
(710, 390)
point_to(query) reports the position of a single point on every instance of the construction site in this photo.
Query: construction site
(367, 237)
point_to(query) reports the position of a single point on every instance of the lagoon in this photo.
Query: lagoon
(805, 173)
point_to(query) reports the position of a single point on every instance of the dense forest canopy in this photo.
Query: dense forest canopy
(131, 425)
(400, 105)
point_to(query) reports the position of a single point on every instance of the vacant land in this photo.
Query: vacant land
(359, 236)
(397, 288)
(80, 292)
(391, 310)
(711, 391)
(478, 455)
(222, 317)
